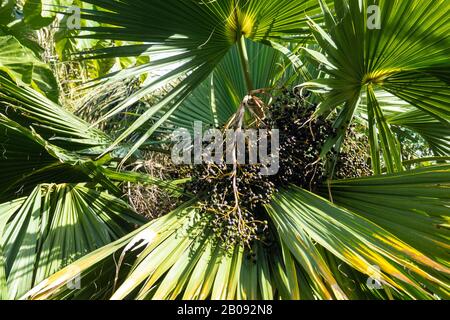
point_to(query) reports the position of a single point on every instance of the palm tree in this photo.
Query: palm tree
(378, 237)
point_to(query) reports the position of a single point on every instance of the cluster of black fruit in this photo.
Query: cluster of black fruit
(354, 160)
(301, 140)
(233, 199)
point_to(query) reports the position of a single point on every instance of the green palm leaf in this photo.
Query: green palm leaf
(406, 57)
(176, 258)
(24, 67)
(388, 230)
(53, 122)
(324, 251)
(216, 100)
(301, 217)
(28, 159)
(191, 50)
(55, 225)
(435, 132)
(413, 205)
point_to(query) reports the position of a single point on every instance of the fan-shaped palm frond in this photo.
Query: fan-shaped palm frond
(50, 120)
(216, 100)
(435, 132)
(192, 51)
(378, 237)
(406, 56)
(419, 221)
(55, 225)
(24, 67)
(177, 258)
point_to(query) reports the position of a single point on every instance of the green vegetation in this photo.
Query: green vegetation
(360, 208)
